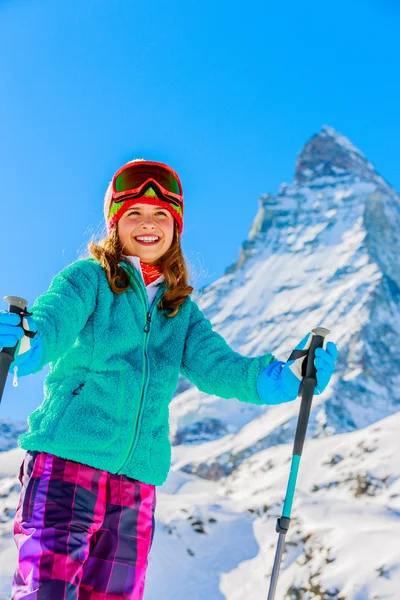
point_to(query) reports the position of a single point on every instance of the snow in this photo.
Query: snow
(333, 519)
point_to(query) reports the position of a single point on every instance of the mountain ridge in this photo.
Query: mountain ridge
(313, 257)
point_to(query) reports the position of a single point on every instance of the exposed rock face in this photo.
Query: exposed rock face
(329, 154)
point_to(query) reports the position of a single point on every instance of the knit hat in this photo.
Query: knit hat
(113, 211)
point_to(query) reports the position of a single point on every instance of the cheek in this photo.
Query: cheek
(123, 232)
(171, 233)
(171, 227)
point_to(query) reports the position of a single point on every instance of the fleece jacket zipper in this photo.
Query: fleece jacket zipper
(146, 369)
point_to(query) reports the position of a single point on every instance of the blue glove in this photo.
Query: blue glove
(280, 381)
(29, 352)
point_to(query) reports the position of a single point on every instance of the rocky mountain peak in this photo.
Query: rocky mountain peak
(328, 153)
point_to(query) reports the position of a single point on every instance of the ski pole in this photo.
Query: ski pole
(16, 305)
(307, 387)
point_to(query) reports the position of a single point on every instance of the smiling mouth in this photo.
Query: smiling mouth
(147, 241)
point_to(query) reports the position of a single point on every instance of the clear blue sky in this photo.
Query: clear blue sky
(225, 92)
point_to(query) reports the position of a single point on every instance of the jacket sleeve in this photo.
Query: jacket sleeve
(62, 312)
(211, 364)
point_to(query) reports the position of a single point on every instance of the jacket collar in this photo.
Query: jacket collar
(135, 262)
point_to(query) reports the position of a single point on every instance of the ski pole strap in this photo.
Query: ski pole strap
(27, 332)
(295, 354)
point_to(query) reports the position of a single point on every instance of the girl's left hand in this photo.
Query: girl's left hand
(325, 364)
(280, 381)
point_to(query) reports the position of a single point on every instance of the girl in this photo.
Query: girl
(117, 329)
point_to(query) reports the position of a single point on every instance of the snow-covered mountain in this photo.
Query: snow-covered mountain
(323, 251)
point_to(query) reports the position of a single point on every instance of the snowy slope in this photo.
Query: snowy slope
(217, 540)
(343, 542)
(323, 251)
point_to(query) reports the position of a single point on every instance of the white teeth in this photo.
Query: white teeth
(147, 239)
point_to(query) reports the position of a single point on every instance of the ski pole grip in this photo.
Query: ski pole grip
(308, 386)
(17, 305)
(317, 341)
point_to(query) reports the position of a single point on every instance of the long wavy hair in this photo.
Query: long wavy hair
(108, 252)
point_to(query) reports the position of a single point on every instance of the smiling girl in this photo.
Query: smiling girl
(118, 328)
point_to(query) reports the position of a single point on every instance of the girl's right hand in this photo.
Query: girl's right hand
(28, 353)
(11, 331)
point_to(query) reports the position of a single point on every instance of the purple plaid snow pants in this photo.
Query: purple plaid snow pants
(81, 533)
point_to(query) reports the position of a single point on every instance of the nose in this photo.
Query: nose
(148, 221)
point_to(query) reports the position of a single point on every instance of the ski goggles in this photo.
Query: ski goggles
(134, 179)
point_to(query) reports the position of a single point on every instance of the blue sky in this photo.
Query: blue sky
(225, 92)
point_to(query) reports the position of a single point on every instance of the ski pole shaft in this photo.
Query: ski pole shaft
(16, 305)
(309, 383)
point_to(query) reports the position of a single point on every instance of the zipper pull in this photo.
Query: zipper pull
(15, 378)
(147, 326)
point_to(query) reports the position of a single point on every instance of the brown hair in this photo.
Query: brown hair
(108, 252)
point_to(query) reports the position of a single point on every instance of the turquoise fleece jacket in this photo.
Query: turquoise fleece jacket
(114, 366)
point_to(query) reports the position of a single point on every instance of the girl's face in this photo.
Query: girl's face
(149, 221)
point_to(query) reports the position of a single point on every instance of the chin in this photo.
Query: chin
(148, 257)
